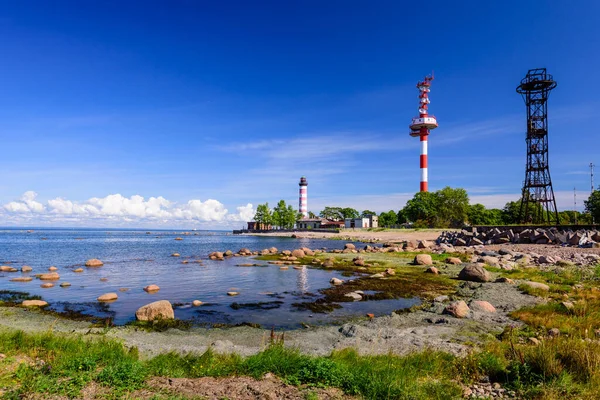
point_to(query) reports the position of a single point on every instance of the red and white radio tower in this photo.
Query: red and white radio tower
(422, 124)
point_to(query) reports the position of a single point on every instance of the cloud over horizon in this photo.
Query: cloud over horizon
(116, 209)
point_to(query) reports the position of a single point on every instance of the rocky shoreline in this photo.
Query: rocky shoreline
(482, 287)
(480, 305)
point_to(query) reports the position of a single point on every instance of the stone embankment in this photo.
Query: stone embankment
(474, 236)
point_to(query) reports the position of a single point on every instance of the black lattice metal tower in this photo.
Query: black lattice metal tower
(538, 205)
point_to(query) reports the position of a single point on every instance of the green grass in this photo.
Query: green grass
(46, 364)
(54, 365)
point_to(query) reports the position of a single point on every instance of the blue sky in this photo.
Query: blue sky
(190, 113)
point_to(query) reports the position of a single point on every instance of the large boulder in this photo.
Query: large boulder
(336, 281)
(159, 309)
(94, 262)
(308, 251)
(483, 306)
(458, 309)
(423, 244)
(51, 276)
(423, 259)
(298, 253)
(152, 288)
(34, 303)
(474, 273)
(108, 297)
(453, 260)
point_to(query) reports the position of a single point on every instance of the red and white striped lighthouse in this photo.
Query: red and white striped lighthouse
(303, 202)
(421, 126)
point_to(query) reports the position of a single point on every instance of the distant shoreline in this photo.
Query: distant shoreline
(359, 235)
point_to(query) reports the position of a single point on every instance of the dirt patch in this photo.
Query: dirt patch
(240, 388)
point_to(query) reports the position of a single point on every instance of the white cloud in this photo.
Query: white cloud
(121, 209)
(26, 204)
(245, 213)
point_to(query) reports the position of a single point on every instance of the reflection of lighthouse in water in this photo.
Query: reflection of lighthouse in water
(302, 280)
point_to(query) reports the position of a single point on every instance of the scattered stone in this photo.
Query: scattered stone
(349, 330)
(47, 285)
(533, 341)
(378, 275)
(554, 332)
(546, 260)
(22, 279)
(123, 289)
(458, 309)
(336, 281)
(354, 296)
(196, 303)
(298, 253)
(103, 279)
(65, 284)
(537, 285)
(233, 293)
(390, 271)
(51, 276)
(432, 270)
(490, 260)
(94, 262)
(483, 306)
(159, 309)
(349, 246)
(34, 303)
(52, 269)
(568, 305)
(152, 288)
(228, 253)
(441, 299)
(423, 259)
(178, 238)
(453, 260)
(504, 279)
(424, 244)
(78, 270)
(359, 261)
(474, 273)
(175, 255)
(6, 268)
(283, 268)
(106, 297)
(26, 268)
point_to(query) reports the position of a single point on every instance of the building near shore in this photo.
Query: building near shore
(258, 226)
(369, 221)
(318, 223)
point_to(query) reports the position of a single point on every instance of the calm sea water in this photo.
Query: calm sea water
(135, 259)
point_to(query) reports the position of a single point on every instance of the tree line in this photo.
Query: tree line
(445, 208)
(283, 216)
